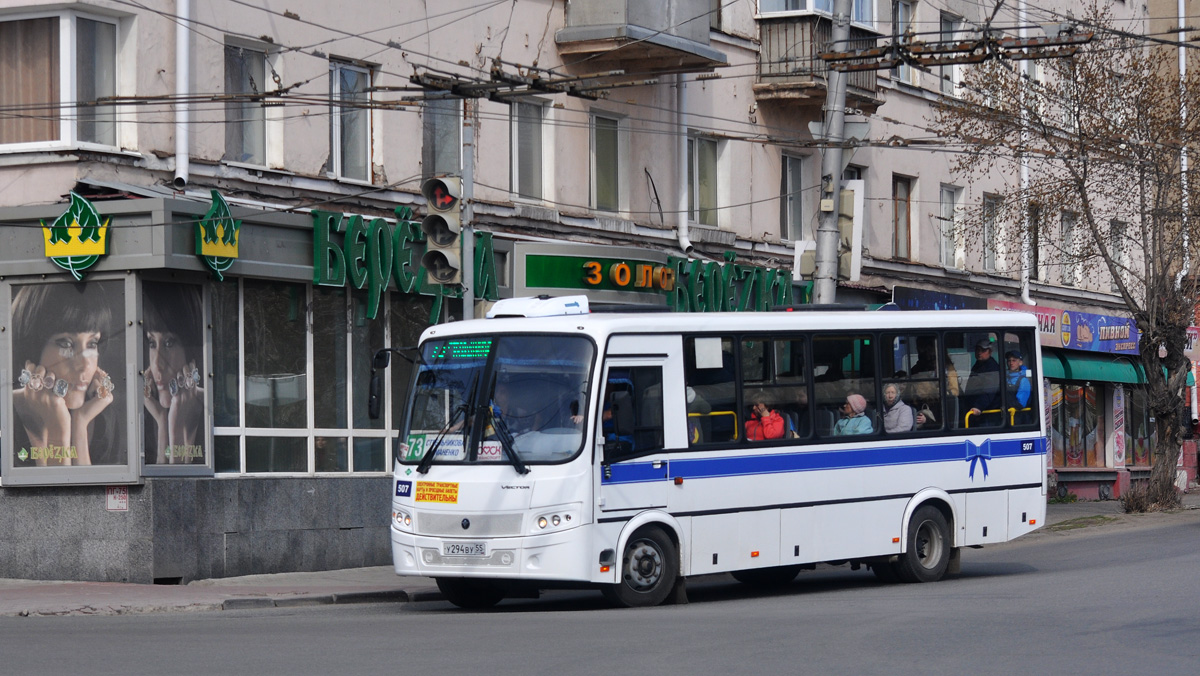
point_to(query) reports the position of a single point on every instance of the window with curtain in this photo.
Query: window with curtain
(948, 225)
(991, 232)
(527, 150)
(33, 70)
(245, 120)
(350, 121)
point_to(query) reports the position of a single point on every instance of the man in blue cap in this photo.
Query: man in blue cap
(1019, 387)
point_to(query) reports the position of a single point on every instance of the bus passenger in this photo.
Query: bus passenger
(897, 415)
(855, 422)
(983, 387)
(1019, 387)
(763, 423)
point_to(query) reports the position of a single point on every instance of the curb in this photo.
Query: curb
(391, 596)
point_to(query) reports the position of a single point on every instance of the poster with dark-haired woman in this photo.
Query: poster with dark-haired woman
(69, 358)
(173, 382)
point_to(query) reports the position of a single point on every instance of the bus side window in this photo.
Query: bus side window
(712, 397)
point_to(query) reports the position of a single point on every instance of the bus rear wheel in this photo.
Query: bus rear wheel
(470, 594)
(649, 569)
(927, 554)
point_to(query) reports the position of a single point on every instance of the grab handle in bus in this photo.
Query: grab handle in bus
(967, 418)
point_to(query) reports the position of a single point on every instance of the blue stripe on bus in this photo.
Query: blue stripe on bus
(808, 461)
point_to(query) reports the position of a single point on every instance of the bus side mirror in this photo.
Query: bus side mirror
(381, 359)
(375, 394)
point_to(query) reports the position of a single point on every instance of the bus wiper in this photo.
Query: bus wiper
(427, 459)
(506, 440)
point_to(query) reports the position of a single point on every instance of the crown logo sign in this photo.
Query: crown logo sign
(217, 236)
(77, 239)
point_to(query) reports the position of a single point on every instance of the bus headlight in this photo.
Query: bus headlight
(402, 520)
(556, 519)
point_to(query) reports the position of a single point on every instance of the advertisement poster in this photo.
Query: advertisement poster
(173, 382)
(69, 360)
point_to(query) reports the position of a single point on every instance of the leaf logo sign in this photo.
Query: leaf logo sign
(217, 237)
(77, 238)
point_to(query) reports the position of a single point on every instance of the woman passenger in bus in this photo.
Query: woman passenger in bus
(897, 415)
(764, 423)
(855, 420)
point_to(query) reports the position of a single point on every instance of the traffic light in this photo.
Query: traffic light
(442, 224)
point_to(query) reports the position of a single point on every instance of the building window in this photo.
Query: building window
(702, 180)
(949, 74)
(350, 121)
(1070, 268)
(948, 226)
(38, 74)
(441, 152)
(606, 163)
(291, 367)
(791, 201)
(905, 11)
(714, 14)
(862, 11)
(245, 119)
(991, 232)
(901, 216)
(527, 149)
(1141, 433)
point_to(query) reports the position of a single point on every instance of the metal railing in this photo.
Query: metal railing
(790, 49)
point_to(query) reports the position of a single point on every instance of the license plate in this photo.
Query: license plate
(464, 549)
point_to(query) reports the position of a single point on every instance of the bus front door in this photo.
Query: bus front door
(634, 467)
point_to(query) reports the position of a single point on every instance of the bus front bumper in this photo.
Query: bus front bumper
(553, 556)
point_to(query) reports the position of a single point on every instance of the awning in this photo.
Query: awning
(1096, 367)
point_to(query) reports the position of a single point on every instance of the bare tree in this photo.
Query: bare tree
(1100, 134)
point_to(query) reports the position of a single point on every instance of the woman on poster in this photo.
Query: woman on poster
(62, 400)
(172, 389)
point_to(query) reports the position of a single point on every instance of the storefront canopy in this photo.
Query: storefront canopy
(1106, 368)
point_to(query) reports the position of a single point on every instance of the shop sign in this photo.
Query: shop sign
(709, 286)
(373, 254)
(77, 239)
(217, 237)
(907, 298)
(597, 273)
(1078, 330)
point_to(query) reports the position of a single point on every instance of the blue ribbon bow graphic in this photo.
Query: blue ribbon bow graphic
(979, 454)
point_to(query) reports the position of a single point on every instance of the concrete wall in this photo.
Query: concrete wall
(194, 529)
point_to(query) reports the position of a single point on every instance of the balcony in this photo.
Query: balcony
(791, 70)
(637, 36)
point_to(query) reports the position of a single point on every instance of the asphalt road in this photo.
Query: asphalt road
(1102, 599)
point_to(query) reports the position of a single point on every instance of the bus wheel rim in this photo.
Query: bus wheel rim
(645, 566)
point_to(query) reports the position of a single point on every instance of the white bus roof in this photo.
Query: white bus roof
(604, 323)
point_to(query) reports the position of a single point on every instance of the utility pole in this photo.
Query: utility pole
(468, 213)
(825, 277)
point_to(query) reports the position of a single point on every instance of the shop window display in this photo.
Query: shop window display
(1077, 431)
(1141, 434)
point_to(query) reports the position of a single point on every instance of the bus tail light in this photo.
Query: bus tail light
(754, 555)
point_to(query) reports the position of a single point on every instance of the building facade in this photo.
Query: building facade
(213, 216)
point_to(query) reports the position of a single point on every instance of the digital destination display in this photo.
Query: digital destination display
(476, 348)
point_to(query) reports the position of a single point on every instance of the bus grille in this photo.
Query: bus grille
(482, 525)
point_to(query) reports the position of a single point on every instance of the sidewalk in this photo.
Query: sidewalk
(356, 585)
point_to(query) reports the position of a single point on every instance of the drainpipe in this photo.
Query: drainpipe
(685, 244)
(183, 86)
(1027, 236)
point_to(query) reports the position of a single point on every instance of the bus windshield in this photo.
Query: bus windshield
(517, 399)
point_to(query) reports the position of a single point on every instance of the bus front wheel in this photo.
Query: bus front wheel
(928, 547)
(649, 568)
(470, 594)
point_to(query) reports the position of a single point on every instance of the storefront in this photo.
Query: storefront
(1101, 433)
(188, 379)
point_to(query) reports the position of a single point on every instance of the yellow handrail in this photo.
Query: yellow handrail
(708, 415)
(1012, 415)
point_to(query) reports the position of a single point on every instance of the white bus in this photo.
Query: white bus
(553, 447)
